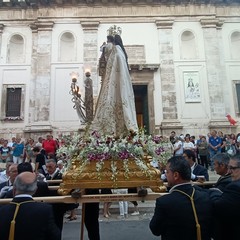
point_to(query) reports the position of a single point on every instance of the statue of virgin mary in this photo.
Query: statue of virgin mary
(115, 110)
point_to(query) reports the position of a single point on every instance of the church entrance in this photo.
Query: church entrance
(141, 103)
(143, 87)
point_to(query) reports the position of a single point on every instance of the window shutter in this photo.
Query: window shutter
(13, 106)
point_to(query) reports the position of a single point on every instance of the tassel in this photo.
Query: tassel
(198, 232)
(198, 227)
(12, 226)
(12, 230)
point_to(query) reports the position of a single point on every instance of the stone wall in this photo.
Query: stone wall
(152, 32)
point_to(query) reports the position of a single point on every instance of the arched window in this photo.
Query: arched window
(16, 49)
(188, 46)
(68, 51)
(235, 45)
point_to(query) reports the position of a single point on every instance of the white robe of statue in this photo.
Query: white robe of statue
(115, 110)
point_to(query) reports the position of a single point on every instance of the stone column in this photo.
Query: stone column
(1, 31)
(216, 74)
(90, 52)
(40, 83)
(170, 117)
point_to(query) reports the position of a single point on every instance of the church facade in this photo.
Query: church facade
(184, 61)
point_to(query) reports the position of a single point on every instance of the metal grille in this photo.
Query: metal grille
(13, 106)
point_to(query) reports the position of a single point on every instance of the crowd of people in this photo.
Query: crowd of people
(207, 213)
(206, 146)
(39, 158)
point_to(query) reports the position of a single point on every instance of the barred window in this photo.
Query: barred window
(238, 96)
(13, 104)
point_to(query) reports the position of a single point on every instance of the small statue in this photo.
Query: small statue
(231, 120)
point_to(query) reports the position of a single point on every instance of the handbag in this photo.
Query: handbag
(231, 151)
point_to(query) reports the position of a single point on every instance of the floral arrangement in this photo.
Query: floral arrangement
(99, 148)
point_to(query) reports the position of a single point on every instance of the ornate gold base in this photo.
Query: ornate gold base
(128, 174)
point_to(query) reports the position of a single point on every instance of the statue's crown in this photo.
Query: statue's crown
(114, 30)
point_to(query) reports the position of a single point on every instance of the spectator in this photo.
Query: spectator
(59, 209)
(237, 144)
(123, 205)
(42, 187)
(40, 161)
(188, 145)
(202, 146)
(178, 147)
(215, 143)
(221, 161)
(60, 166)
(4, 175)
(18, 148)
(8, 185)
(199, 173)
(186, 212)
(5, 152)
(53, 172)
(49, 145)
(172, 137)
(106, 205)
(29, 151)
(135, 203)
(10, 144)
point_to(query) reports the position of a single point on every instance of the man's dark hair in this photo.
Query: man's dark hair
(51, 160)
(24, 167)
(180, 164)
(36, 149)
(190, 154)
(221, 158)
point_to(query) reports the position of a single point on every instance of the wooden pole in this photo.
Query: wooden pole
(82, 222)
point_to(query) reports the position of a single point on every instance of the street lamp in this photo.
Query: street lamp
(84, 108)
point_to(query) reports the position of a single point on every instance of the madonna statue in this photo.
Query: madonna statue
(115, 110)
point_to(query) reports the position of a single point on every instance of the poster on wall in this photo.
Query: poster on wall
(191, 87)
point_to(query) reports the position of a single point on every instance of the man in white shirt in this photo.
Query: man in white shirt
(178, 147)
(4, 175)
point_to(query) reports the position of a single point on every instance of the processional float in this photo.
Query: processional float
(110, 161)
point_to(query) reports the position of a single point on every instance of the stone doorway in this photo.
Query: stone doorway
(143, 86)
(141, 103)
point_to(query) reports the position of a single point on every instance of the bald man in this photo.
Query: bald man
(33, 220)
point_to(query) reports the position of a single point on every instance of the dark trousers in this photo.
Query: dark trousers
(204, 161)
(133, 190)
(91, 217)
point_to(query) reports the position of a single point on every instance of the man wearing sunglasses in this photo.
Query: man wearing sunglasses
(227, 204)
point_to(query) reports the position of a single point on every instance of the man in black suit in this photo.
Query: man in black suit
(59, 209)
(7, 185)
(53, 172)
(220, 164)
(227, 204)
(174, 216)
(199, 173)
(42, 187)
(33, 220)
